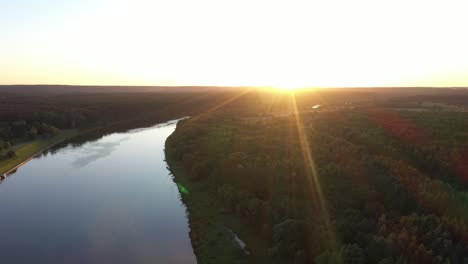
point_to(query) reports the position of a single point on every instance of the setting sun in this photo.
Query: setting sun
(288, 88)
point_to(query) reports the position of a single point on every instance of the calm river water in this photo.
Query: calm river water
(107, 200)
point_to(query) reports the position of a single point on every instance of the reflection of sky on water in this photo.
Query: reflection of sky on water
(109, 200)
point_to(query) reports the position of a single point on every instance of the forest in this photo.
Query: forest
(312, 176)
(368, 177)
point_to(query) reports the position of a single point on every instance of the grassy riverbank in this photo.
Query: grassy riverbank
(29, 149)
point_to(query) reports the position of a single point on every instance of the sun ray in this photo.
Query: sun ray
(312, 174)
(223, 103)
(273, 98)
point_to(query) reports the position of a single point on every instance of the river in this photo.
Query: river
(106, 200)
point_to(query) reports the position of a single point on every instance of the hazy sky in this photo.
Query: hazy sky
(204, 42)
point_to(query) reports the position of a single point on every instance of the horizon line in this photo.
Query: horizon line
(232, 86)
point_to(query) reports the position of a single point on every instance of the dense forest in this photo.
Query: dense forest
(367, 177)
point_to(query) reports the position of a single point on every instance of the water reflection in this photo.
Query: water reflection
(108, 199)
(96, 151)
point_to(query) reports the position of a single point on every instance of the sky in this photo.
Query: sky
(323, 43)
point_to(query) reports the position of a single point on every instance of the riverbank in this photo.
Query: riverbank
(217, 236)
(28, 150)
(211, 240)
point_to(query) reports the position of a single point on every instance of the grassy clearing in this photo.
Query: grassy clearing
(28, 149)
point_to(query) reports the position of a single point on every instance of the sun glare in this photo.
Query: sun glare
(287, 88)
(144, 43)
(288, 82)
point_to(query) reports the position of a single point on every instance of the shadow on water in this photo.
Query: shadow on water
(97, 151)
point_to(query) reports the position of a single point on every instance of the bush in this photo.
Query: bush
(11, 154)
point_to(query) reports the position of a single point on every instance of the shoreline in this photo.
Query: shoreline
(21, 162)
(10, 169)
(212, 241)
(214, 233)
(63, 138)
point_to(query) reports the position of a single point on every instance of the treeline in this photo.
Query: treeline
(26, 117)
(25, 130)
(367, 185)
(18, 131)
(66, 111)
